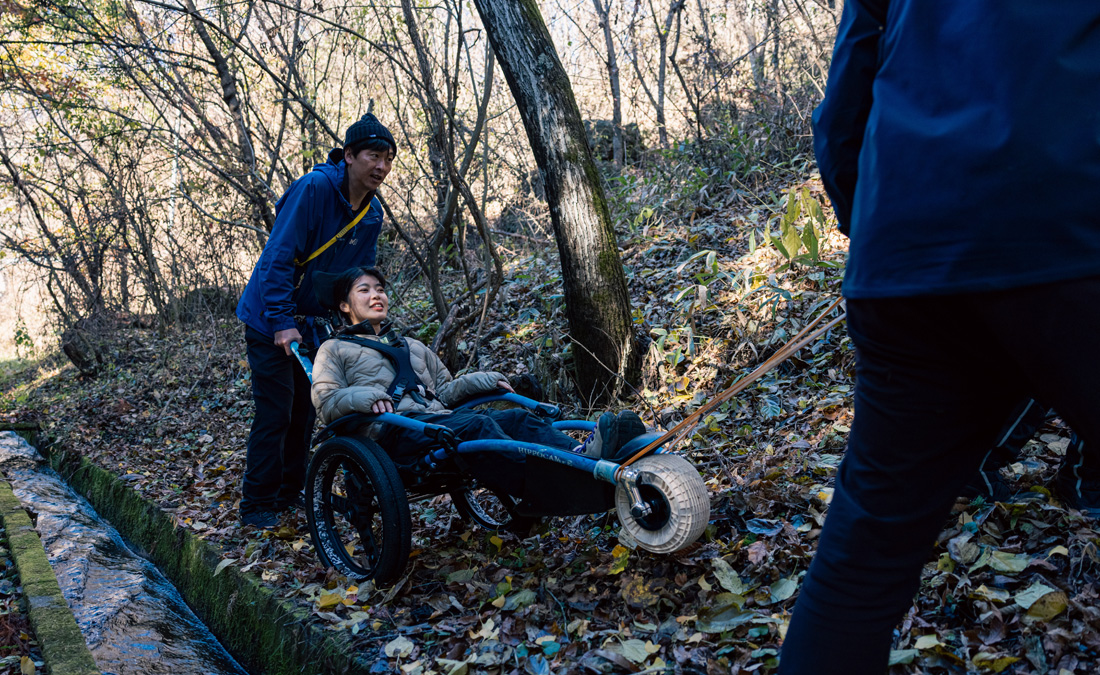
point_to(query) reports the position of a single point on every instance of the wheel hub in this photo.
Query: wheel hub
(659, 509)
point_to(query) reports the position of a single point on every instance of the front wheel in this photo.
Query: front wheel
(357, 510)
(678, 502)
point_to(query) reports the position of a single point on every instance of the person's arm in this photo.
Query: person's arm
(841, 119)
(289, 237)
(451, 391)
(332, 395)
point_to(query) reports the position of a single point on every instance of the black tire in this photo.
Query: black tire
(489, 510)
(358, 511)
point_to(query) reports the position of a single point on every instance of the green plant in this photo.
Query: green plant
(24, 345)
(668, 349)
(694, 298)
(792, 238)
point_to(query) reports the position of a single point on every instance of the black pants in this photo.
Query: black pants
(936, 379)
(502, 471)
(278, 444)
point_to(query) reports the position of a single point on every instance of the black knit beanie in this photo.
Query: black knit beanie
(368, 132)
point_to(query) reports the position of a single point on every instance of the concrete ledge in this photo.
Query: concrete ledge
(265, 633)
(63, 646)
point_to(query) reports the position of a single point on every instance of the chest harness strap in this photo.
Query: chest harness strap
(406, 381)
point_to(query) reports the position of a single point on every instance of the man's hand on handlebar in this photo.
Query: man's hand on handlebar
(283, 338)
(382, 406)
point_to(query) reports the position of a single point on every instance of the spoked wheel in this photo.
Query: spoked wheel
(492, 511)
(357, 510)
(678, 501)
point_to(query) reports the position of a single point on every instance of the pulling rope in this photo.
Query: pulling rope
(803, 338)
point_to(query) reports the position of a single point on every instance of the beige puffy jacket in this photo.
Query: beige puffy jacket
(351, 378)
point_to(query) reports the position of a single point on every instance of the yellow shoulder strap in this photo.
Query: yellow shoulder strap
(339, 234)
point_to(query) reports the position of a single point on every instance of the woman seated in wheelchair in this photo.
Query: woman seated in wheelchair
(356, 372)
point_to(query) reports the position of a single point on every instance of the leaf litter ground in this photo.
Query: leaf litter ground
(1009, 588)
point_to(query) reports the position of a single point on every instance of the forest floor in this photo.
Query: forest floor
(1009, 588)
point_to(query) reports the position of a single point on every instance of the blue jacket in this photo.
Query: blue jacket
(960, 143)
(311, 212)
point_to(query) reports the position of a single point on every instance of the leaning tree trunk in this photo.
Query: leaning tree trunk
(596, 298)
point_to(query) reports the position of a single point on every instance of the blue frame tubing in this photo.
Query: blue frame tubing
(600, 469)
(546, 410)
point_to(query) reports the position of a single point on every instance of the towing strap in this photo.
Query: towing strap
(681, 430)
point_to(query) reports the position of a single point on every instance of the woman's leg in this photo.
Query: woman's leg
(523, 425)
(501, 471)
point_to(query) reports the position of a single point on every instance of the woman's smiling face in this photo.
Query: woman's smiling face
(367, 301)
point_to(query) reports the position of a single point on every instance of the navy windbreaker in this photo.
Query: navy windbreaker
(309, 214)
(960, 143)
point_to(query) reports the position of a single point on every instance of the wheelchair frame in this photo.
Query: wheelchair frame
(357, 497)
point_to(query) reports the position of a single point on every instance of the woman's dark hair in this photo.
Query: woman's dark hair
(341, 286)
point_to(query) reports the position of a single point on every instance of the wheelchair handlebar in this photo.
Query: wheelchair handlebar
(436, 432)
(307, 365)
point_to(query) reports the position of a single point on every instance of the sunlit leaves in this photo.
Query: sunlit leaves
(621, 558)
(792, 237)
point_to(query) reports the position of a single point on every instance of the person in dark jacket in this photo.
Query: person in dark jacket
(328, 219)
(960, 144)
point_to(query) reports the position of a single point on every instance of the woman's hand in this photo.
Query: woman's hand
(382, 406)
(501, 384)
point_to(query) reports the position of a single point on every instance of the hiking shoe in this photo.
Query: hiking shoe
(989, 485)
(603, 440)
(265, 520)
(1077, 483)
(294, 503)
(630, 427)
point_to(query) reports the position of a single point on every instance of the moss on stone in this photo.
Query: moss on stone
(63, 647)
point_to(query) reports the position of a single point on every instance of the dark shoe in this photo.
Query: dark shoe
(989, 485)
(603, 440)
(1078, 484)
(265, 520)
(294, 503)
(630, 427)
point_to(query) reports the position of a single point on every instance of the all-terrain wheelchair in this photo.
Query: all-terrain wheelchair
(357, 496)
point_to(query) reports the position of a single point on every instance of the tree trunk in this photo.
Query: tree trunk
(604, 15)
(662, 68)
(596, 297)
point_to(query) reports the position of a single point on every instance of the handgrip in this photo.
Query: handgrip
(307, 365)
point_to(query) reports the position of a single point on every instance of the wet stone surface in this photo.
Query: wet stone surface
(133, 619)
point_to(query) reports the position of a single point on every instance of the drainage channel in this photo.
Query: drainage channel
(132, 617)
